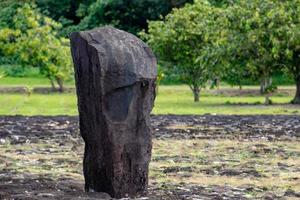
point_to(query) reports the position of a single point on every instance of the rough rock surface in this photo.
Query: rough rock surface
(115, 76)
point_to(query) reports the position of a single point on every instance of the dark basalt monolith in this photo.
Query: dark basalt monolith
(115, 75)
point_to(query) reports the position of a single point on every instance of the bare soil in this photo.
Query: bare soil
(194, 157)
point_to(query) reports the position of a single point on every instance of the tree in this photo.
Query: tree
(189, 39)
(250, 39)
(74, 15)
(265, 35)
(235, 74)
(8, 3)
(128, 15)
(8, 11)
(59, 10)
(287, 38)
(68, 12)
(31, 40)
(223, 3)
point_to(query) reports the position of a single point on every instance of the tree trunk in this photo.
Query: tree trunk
(52, 85)
(267, 99)
(265, 82)
(262, 86)
(196, 92)
(60, 84)
(296, 99)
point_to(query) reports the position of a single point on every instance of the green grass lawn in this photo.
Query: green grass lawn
(28, 81)
(41, 81)
(170, 100)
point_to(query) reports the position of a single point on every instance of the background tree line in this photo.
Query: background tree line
(196, 41)
(34, 32)
(230, 40)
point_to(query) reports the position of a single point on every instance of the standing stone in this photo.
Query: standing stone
(115, 75)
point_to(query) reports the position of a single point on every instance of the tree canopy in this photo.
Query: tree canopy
(188, 40)
(197, 40)
(230, 40)
(265, 36)
(128, 15)
(31, 40)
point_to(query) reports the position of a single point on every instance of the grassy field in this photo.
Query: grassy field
(170, 100)
(28, 81)
(40, 81)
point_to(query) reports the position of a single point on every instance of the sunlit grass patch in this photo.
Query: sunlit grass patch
(170, 100)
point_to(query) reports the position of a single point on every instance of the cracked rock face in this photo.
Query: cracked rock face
(115, 76)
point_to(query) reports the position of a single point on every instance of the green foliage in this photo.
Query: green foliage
(265, 35)
(237, 41)
(271, 88)
(231, 40)
(67, 12)
(237, 75)
(20, 71)
(72, 10)
(287, 38)
(128, 15)
(2, 75)
(8, 9)
(8, 3)
(160, 74)
(223, 3)
(7, 14)
(188, 40)
(58, 10)
(250, 39)
(32, 41)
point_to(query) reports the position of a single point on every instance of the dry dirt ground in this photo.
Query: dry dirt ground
(194, 157)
